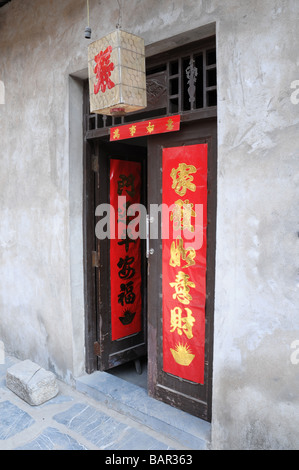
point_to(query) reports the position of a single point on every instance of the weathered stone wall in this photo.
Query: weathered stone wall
(255, 389)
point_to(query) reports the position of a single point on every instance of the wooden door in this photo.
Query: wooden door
(187, 395)
(117, 307)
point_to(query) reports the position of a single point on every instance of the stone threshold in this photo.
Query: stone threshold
(132, 401)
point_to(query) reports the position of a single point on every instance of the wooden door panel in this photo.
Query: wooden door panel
(178, 392)
(112, 353)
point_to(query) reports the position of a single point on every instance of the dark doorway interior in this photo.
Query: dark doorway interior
(132, 372)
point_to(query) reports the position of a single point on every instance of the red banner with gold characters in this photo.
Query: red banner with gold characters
(143, 128)
(184, 223)
(125, 249)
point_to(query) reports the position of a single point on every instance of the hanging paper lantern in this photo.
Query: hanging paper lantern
(117, 80)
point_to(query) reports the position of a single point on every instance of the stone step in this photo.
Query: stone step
(133, 401)
(31, 382)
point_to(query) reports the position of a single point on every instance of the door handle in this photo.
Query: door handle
(149, 251)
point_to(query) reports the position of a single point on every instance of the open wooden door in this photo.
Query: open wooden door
(168, 381)
(120, 181)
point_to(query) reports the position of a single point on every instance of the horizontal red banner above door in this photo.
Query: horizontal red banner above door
(144, 128)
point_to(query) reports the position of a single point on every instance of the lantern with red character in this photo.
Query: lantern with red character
(117, 79)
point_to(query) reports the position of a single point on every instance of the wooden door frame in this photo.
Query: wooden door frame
(89, 246)
(90, 272)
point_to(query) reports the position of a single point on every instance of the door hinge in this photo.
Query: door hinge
(95, 163)
(97, 348)
(95, 259)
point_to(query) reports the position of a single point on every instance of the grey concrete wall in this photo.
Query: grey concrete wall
(256, 320)
(255, 388)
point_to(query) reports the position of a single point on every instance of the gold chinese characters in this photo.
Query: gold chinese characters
(182, 320)
(178, 253)
(182, 180)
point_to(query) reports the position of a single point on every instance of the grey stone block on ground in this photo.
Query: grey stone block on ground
(31, 382)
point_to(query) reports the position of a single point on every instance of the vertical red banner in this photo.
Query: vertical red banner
(125, 249)
(184, 217)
